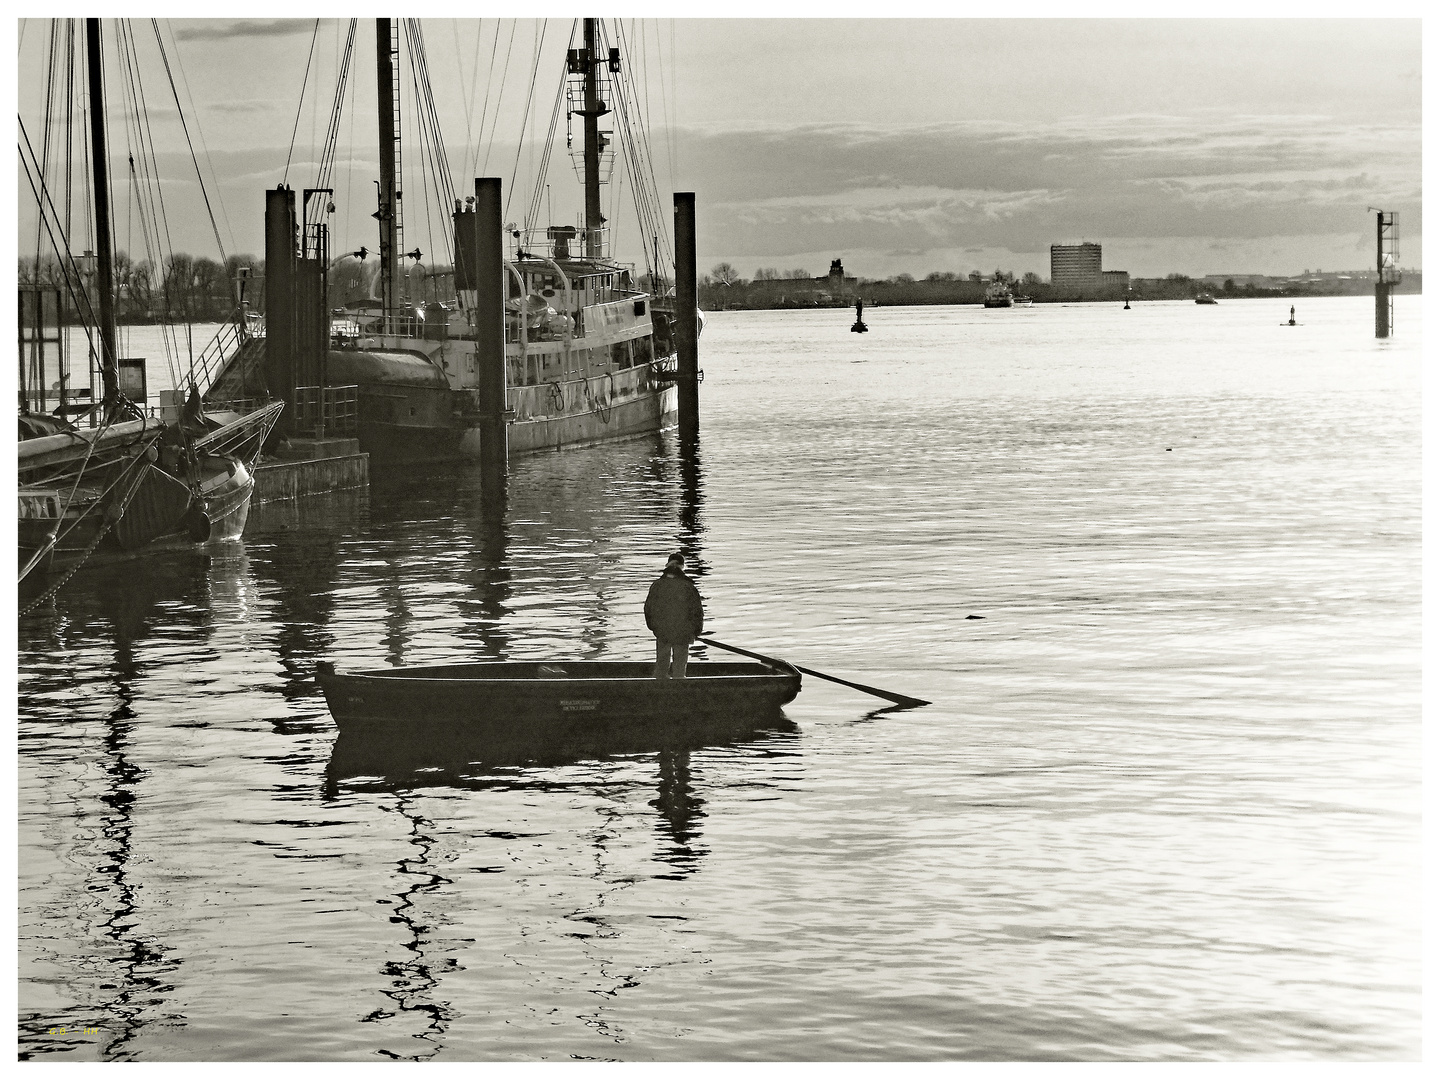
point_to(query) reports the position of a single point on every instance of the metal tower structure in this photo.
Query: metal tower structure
(1387, 269)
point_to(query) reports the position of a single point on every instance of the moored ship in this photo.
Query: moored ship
(589, 351)
(100, 478)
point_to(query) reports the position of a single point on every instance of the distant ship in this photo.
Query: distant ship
(998, 295)
(1023, 301)
(1204, 298)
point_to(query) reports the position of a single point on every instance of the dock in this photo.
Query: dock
(312, 467)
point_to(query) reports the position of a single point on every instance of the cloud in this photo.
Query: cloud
(225, 29)
(771, 191)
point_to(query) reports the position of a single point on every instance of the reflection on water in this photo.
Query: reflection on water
(419, 568)
(1164, 805)
(680, 811)
(413, 979)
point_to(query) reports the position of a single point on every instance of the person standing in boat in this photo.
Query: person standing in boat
(675, 616)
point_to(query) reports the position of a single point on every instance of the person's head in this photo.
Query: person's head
(675, 562)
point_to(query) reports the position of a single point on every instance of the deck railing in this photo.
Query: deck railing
(330, 412)
(206, 367)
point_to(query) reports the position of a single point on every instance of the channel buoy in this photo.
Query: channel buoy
(859, 327)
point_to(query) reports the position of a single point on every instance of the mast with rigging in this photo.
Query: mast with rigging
(387, 86)
(594, 109)
(100, 165)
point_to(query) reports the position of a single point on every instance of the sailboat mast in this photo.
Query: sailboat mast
(389, 129)
(593, 111)
(100, 162)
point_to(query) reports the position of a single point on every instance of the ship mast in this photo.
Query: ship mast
(100, 164)
(594, 109)
(386, 49)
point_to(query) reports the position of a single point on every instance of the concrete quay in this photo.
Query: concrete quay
(312, 467)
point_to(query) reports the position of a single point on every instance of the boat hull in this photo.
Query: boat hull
(647, 412)
(227, 501)
(519, 703)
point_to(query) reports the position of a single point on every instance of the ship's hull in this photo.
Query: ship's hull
(405, 419)
(583, 412)
(401, 426)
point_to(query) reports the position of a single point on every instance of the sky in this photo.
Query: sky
(899, 145)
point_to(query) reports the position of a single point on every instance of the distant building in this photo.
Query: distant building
(1075, 267)
(836, 285)
(1115, 281)
(836, 279)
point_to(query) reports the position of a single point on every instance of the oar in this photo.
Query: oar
(902, 700)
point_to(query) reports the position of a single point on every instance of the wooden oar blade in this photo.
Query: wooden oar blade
(904, 701)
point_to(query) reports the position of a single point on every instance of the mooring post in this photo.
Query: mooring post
(490, 337)
(1382, 286)
(280, 302)
(687, 346)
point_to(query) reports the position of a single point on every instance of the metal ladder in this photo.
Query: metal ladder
(399, 150)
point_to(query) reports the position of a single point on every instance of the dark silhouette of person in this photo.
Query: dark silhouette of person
(675, 615)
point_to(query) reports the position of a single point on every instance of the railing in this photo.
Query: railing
(206, 367)
(326, 412)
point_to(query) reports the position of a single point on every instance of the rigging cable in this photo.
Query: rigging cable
(417, 122)
(538, 191)
(525, 116)
(159, 217)
(70, 272)
(175, 93)
(69, 114)
(501, 97)
(431, 137)
(644, 188)
(204, 147)
(45, 141)
(300, 107)
(469, 98)
(337, 109)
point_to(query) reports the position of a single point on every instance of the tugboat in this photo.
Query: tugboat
(1205, 298)
(998, 295)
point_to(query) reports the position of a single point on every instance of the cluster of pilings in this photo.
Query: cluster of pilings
(297, 315)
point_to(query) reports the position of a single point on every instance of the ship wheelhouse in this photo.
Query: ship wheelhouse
(573, 318)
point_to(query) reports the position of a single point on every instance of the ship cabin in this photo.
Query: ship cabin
(570, 316)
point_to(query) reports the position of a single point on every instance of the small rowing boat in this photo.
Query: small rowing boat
(533, 699)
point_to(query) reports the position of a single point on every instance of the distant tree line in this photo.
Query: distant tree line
(181, 288)
(724, 288)
(186, 288)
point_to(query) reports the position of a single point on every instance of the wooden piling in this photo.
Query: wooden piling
(489, 271)
(280, 302)
(687, 382)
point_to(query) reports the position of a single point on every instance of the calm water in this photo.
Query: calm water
(1159, 571)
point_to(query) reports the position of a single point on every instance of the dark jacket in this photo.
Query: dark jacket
(673, 611)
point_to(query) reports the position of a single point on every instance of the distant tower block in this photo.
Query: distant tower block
(1387, 266)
